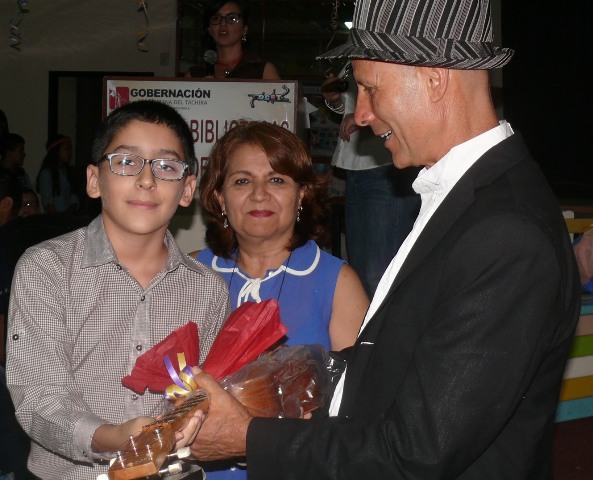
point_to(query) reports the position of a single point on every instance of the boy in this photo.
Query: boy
(86, 304)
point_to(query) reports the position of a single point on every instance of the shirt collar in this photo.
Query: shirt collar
(99, 251)
(445, 173)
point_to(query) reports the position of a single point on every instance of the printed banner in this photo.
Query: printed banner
(212, 107)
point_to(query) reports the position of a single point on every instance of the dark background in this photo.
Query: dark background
(544, 94)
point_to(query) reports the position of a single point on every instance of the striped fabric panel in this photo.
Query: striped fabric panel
(573, 388)
(574, 409)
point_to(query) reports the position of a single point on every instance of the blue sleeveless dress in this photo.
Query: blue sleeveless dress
(304, 287)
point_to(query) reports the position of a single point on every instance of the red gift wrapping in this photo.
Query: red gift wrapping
(247, 332)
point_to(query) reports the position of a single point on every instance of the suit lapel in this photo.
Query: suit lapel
(489, 167)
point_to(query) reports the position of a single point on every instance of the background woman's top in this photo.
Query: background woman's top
(304, 287)
(61, 200)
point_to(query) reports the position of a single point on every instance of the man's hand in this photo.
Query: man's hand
(223, 432)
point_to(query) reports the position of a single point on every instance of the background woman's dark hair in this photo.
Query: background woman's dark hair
(288, 156)
(149, 111)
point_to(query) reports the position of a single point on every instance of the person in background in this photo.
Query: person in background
(30, 203)
(14, 443)
(457, 370)
(86, 304)
(264, 210)
(12, 157)
(55, 181)
(380, 205)
(227, 27)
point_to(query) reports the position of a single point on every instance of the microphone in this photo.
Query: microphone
(210, 57)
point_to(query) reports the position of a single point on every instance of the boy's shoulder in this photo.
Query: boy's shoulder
(49, 231)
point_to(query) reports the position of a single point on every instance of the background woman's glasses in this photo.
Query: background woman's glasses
(228, 18)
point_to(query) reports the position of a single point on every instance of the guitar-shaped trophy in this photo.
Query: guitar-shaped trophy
(149, 451)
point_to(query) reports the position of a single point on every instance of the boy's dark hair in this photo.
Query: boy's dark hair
(10, 186)
(149, 111)
(9, 142)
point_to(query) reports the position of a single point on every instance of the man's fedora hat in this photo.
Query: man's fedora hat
(437, 33)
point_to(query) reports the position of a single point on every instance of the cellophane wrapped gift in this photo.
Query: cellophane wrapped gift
(287, 382)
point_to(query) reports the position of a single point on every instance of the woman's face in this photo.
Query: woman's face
(227, 33)
(260, 203)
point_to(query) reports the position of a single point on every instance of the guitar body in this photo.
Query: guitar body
(149, 450)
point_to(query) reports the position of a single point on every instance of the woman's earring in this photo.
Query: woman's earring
(244, 38)
(225, 221)
(299, 210)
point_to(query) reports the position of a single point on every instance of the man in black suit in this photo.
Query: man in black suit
(457, 369)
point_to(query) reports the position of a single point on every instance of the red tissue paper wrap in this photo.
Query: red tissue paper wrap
(247, 332)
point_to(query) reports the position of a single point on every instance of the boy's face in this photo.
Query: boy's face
(140, 204)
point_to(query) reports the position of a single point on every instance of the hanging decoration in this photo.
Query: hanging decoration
(14, 36)
(333, 22)
(143, 33)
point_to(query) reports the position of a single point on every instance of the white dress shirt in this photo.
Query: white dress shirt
(433, 185)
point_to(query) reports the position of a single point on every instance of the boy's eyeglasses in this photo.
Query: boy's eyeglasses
(228, 18)
(128, 164)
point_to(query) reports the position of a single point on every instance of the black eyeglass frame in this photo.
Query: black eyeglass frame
(219, 18)
(109, 156)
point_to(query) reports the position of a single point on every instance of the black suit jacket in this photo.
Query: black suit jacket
(457, 374)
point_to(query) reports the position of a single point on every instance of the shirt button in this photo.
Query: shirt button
(139, 348)
(119, 267)
(142, 298)
(15, 336)
(134, 397)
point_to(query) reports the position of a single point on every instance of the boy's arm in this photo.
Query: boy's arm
(39, 370)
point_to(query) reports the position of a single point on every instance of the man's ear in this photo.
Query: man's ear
(437, 82)
(189, 187)
(92, 181)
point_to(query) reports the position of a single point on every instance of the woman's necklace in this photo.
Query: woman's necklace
(281, 282)
(228, 67)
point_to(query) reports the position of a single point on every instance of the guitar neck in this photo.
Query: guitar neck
(148, 451)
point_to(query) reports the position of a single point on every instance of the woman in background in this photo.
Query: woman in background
(264, 207)
(55, 181)
(227, 28)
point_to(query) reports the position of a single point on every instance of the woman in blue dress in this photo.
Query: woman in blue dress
(265, 208)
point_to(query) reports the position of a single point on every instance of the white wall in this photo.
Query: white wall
(75, 35)
(83, 35)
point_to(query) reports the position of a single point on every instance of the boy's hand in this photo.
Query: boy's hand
(187, 435)
(111, 438)
(223, 432)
